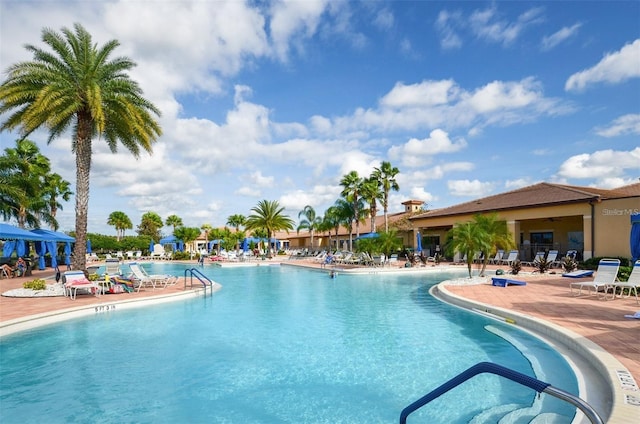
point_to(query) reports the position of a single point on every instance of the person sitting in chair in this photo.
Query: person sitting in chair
(7, 270)
(21, 267)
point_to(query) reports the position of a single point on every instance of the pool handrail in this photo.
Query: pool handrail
(194, 272)
(525, 380)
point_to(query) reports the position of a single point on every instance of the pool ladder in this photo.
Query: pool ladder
(525, 380)
(194, 272)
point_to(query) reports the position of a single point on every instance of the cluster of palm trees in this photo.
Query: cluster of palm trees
(30, 193)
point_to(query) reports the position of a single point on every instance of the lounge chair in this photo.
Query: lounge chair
(632, 284)
(496, 259)
(511, 258)
(605, 276)
(112, 266)
(143, 279)
(552, 258)
(76, 280)
(158, 252)
(536, 260)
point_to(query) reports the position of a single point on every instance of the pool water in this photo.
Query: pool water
(276, 344)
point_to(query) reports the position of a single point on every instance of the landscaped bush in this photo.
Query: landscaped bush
(37, 284)
(516, 266)
(542, 265)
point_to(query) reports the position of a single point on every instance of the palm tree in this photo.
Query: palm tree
(346, 215)
(54, 188)
(351, 188)
(207, 228)
(121, 222)
(236, 221)
(268, 215)
(173, 221)
(150, 225)
(26, 169)
(77, 87)
(309, 221)
(386, 176)
(466, 238)
(187, 235)
(497, 235)
(371, 193)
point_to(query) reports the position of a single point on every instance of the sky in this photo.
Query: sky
(278, 100)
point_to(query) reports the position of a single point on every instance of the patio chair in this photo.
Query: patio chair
(631, 284)
(511, 258)
(112, 266)
(143, 279)
(552, 257)
(496, 259)
(75, 280)
(605, 276)
(536, 260)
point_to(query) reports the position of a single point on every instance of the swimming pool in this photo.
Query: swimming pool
(275, 345)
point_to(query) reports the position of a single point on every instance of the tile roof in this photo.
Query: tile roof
(542, 194)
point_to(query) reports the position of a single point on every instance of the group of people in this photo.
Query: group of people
(17, 271)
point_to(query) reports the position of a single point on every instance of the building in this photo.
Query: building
(546, 216)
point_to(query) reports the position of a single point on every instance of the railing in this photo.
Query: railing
(194, 272)
(525, 380)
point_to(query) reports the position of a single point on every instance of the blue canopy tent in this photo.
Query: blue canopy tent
(16, 239)
(41, 249)
(177, 245)
(419, 242)
(53, 237)
(368, 236)
(89, 246)
(634, 237)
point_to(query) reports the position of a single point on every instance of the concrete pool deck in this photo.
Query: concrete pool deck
(545, 298)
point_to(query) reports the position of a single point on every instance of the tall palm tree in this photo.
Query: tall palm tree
(121, 222)
(236, 221)
(268, 215)
(310, 221)
(76, 86)
(346, 215)
(371, 193)
(207, 228)
(496, 235)
(55, 188)
(386, 176)
(351, 190)
(173, 221)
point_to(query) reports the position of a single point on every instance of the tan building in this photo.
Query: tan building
(545, 216)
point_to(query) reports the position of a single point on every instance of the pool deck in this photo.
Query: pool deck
(544, 297)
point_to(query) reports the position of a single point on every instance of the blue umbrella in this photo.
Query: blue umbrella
(419, 240)
(41, 249)
(368, 236)
(151, 246)
(89, 246)
(634, 237)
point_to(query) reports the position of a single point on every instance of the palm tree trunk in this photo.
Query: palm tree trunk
(83, 169)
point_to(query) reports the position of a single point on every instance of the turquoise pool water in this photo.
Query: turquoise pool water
(275, 345)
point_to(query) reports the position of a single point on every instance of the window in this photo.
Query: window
(542, 238)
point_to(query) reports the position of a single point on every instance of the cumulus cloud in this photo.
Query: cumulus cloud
(626, 124)
(487, 24)
(614, 68)
(425, 93)
(551, 41)
(469, 188)
(601, 164)
(415, 151)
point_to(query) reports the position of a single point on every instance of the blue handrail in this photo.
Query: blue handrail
(194, 272)
(525, 380)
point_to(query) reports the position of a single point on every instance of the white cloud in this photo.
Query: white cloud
(419, 193)
(487, 24)
(626, 124)
(384, 19)
(471, 188)
(248, 192)
(518, 183)
(416, 152)
(256, 178)
(426, 93)
(600, 165)
(291, 20)
(549, 42)
(614, 68)
(445, 25)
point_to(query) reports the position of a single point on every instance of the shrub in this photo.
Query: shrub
(37, 284)
(516, 266)
(542, 265)
(569, 265)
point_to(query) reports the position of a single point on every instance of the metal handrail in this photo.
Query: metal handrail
(525, 380)
(193, 272)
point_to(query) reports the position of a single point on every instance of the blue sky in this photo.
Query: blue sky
(278, 100)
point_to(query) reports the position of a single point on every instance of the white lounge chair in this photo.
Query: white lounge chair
(142, 279)
(112, 266)
(158, 252)
(631, 284)
(511, 258)
(552, 257)
(605, 276)
(496, 259)
(536, 260)
(76, 280)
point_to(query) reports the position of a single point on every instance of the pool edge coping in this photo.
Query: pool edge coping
(604, 363)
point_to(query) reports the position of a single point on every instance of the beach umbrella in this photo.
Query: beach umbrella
(368, 236)
(634, 237)
(419, 242)
(89, 246)
(151, 246)
(245, 244)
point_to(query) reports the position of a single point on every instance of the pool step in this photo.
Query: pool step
(550, 418)
(492, 415)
